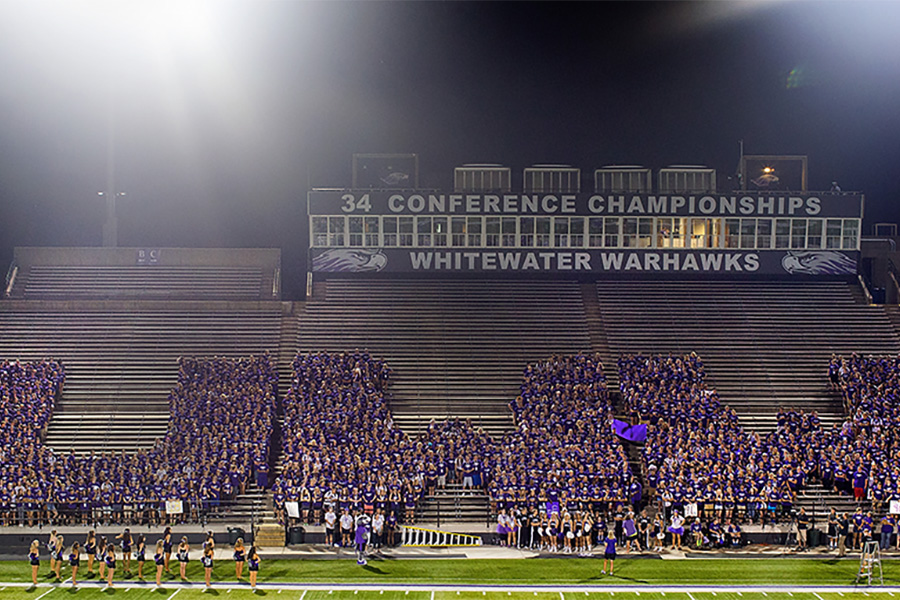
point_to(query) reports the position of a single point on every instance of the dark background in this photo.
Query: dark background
(226, 112)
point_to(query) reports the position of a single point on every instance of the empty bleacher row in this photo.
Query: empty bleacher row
(70, 282)
(121, 362)
(764, 344)
(457, 348)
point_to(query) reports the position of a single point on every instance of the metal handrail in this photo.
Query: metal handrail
(865, 288)
(11, 278)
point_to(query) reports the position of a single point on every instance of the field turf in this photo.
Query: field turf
(556, 579)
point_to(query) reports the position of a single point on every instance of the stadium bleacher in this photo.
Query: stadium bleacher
(456, 347)
(764, 344)
(122, 362)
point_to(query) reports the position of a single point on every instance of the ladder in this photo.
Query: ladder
(870, 564)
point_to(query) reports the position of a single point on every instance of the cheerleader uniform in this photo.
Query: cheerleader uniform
(110, 562)
(239, 556)
(207, 561)
(141, 550)
(253, 564)
(34, 559)
(183, 556)
(74, 560)
(159, 559)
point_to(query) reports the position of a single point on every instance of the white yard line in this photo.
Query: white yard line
(689, 596)
(45, 593)
(303, 595)
(173, 594)
(432, 594)
(561, 597)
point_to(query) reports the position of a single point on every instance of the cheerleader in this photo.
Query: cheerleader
(101, 557)
(90, 546)
(75, 562)
(110, 564)
(210, 541)
(51, 548)
(183, 554)
(125, 536)
(567, 533)
(159, 558)
(239, 558)
(57, 556)
(253, 560)
(676, 529)
(141, 553)
(207, 560)
(167, 548)
(34, 559)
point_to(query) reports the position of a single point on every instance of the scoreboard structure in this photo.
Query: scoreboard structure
(561, 233)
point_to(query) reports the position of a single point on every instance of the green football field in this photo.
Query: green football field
(534, 579)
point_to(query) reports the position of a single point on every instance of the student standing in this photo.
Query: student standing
(609, 555)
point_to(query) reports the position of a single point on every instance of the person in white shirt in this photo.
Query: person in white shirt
(346, 529)
(378, 529)
(330, 520)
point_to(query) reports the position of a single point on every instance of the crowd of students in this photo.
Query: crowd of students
(342, 450)
(697, 453)
(220, 424)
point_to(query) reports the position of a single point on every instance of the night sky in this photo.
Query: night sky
(226, 112)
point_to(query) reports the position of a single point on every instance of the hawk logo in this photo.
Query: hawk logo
(818, 262)
(349, 260)
(395, 178)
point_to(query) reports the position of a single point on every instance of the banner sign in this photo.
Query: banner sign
(174, 507)
(568, 262)
(632, 433)
(690, 510)
(736, 204)
(895, 507)
(293, 509)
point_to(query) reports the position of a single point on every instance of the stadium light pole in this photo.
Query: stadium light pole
(111, 224)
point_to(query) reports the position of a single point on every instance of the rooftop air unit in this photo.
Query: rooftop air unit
(623, 178)
(560, 179)
(482, 178)
(687, 179)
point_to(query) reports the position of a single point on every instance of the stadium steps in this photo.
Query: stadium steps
(893, 313)
(455, 347)
(453, 504)
(599, 340)
(122, 364)
(819, 501)
(764, 344)
(69, 282)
